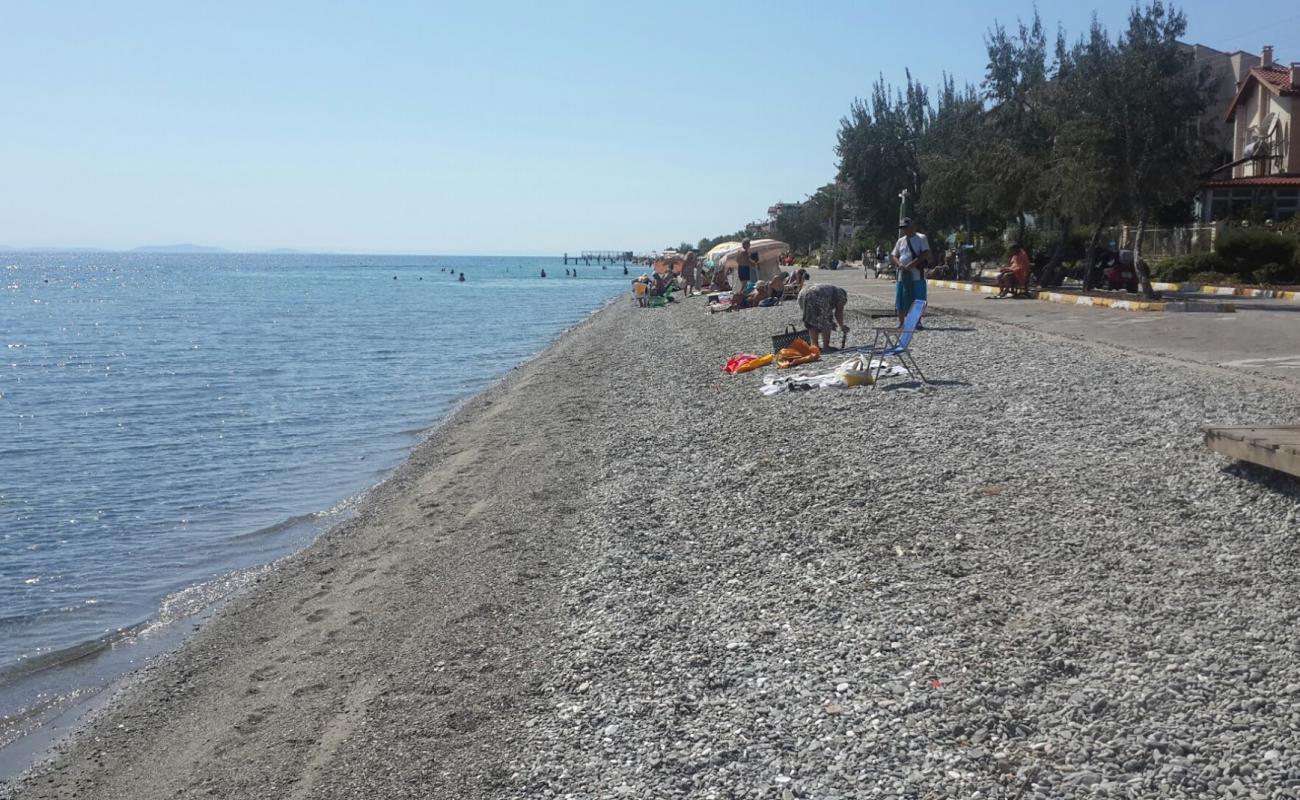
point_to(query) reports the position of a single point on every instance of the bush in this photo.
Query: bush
(1180, 269)
(1246, 249)
(992, 250)
(1274, 274)
(1212, 278)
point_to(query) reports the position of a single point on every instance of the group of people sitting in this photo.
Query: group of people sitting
(756, 292)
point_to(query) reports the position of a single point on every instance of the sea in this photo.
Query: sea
(170, 425)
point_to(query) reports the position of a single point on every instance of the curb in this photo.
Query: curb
(1229, 291)
(1103, 302)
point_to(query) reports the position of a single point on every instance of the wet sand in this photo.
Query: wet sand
(418, 624)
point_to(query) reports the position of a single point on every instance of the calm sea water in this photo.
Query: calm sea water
(169, 421)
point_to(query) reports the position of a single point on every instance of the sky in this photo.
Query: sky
(468, 128)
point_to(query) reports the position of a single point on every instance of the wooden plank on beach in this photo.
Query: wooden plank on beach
(1276, 448)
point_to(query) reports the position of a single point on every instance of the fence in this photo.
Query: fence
(1166, 242)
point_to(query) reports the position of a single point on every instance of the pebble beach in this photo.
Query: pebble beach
(622, 573)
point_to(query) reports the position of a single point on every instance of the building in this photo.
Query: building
(1227, 72)
(1265, 171)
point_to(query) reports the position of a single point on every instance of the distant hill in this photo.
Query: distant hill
(179, 248)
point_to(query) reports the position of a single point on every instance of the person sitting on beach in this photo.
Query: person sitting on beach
(1017, 275)
(799, 277)
(661, 283)
(720, 283)
(823, 310)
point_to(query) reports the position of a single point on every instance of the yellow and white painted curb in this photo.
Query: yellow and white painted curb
(1100, 302)
(1228, 291)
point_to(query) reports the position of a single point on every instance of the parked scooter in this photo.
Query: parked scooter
(1117, 270)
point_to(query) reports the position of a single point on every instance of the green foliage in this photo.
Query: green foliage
(1246, 249)
(878, 146)
(705, 245)
(948, 154)
(802, 227)
(992, 249)
(1014, 145)
(1278, 274)
(1211, 278)
(1180, 269)
(1094, 131)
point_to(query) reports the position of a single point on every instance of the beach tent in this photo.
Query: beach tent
(769, 257)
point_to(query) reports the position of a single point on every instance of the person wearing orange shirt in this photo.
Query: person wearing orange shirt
(1017, 275)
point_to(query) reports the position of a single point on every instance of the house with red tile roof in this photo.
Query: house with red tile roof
(1265, 169)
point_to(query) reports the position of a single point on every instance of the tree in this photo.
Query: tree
(947, 155)
(799, 226)
(1016, 139)
(878, 145)
(1084, 177)
(1161, 154)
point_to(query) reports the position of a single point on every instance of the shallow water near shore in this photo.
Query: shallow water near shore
(172, 422)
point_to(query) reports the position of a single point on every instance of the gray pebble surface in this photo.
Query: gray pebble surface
(1028, 581)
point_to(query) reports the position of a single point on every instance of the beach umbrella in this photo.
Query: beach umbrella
(769, 257)
(715, 254)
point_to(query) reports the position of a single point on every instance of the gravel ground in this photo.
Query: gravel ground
(624, 574)
(1031, 581)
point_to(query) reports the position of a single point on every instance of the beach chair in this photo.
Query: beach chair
(889, 342)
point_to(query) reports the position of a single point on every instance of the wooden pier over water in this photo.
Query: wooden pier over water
(600, 257)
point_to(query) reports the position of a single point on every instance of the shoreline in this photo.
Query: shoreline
(153, 640)
(583, 584)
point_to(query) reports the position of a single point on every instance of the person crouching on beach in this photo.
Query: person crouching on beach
(911, 256)
(823, 309)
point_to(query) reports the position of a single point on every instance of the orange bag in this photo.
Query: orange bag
(752, 364)
(799, 352)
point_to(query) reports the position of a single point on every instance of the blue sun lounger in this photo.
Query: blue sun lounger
(894, 343)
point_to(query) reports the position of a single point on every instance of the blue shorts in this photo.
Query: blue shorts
(906, 291)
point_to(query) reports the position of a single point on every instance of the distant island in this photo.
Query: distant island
(179, 248)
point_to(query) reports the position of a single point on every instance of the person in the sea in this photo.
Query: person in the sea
(543, 273)
(462, 277)
(823, 310)
(911, 257)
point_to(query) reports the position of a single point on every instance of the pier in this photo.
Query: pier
(600, 257)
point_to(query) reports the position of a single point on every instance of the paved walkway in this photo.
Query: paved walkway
(1262, 337)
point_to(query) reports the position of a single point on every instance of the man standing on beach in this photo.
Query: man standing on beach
(743, 267)
(911, 256)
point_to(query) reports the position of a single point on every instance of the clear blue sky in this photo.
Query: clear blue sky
(430, 127)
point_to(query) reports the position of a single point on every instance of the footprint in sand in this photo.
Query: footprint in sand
(360, 574)
(303, 602)
(263, 673)
(318, 615)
